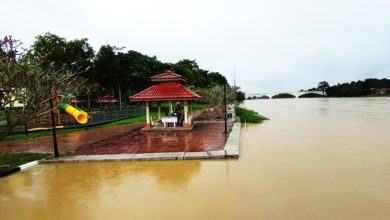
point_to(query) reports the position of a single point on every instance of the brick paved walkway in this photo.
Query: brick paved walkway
(203, 137)
(67, 142)
(127, 139)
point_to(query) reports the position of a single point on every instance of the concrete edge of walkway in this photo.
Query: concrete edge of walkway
(231, 150)
(19, 168)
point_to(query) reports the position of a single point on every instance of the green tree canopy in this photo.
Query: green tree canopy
(106, 67)
(26, 79)
(56, 51)
(323, 86)
(368, 87)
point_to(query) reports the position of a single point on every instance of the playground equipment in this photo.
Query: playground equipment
(79, 115)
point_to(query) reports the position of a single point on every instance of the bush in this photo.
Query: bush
(249, 116)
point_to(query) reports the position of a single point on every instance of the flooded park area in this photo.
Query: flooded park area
(318, 158)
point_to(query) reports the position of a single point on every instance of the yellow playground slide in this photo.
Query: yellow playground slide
(79, 115)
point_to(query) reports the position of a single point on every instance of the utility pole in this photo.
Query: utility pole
(224, 104)
(117, 49)
(234, 76)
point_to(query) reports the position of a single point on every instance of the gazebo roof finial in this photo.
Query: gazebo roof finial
(168, 76)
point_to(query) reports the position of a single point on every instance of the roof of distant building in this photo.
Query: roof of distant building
(168, 76)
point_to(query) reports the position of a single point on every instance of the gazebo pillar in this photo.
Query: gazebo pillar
(186, 124)
(148, 124)
(159, 110)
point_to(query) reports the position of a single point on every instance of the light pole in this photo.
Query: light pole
(53, 124)
(117, 49)
(224, 105)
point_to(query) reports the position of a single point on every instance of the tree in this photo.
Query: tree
(24, 79)
(240, 96)
(191, 71)
(216, 78)
(80, 55)
(105, 66)
(58, 52)
(215, 97)
(323, 86)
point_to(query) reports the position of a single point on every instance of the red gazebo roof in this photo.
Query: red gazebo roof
(168, 89)
(169, 92)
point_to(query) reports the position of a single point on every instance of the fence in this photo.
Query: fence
(96, 117)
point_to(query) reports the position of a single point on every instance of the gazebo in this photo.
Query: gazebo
(168, 87)
(107, 99)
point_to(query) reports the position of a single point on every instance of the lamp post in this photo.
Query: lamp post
(224, 105)
(53, 124)
(117, 49)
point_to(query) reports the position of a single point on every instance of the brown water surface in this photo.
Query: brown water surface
(315, 159)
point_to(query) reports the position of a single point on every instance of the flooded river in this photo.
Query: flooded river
(315, 159)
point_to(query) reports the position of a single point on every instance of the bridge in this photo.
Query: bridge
(270, 95)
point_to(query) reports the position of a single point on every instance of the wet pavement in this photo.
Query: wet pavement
(203, 137)
(127, 139)
(67, 142)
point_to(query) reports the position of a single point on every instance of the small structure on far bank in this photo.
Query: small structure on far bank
(169, 88)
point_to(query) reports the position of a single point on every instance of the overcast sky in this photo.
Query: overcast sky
(275, 45)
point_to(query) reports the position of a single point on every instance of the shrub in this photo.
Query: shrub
(248, 115)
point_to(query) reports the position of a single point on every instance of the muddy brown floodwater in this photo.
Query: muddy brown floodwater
(315, 159)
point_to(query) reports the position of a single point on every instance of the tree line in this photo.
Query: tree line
(113, 70)
(367, 87)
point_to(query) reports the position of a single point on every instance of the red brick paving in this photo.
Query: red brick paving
(66, 142)
(203, 137)
(126, 139)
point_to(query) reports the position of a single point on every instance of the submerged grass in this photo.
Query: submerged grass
(35, 134)
(248, 115)
(8, 161)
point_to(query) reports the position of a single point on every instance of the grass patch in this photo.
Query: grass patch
(35, 134)
(8, 161)
(127, 121)
(248, 115)
(22, 136)
(199, 106)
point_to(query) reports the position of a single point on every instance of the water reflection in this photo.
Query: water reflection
(170, 174)
(65, 188)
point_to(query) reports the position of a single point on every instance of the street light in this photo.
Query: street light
(117, 49)
(53, 124)
(225, 109)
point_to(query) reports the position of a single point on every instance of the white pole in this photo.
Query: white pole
(185, 111)
(147, 113)
(159, 111)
